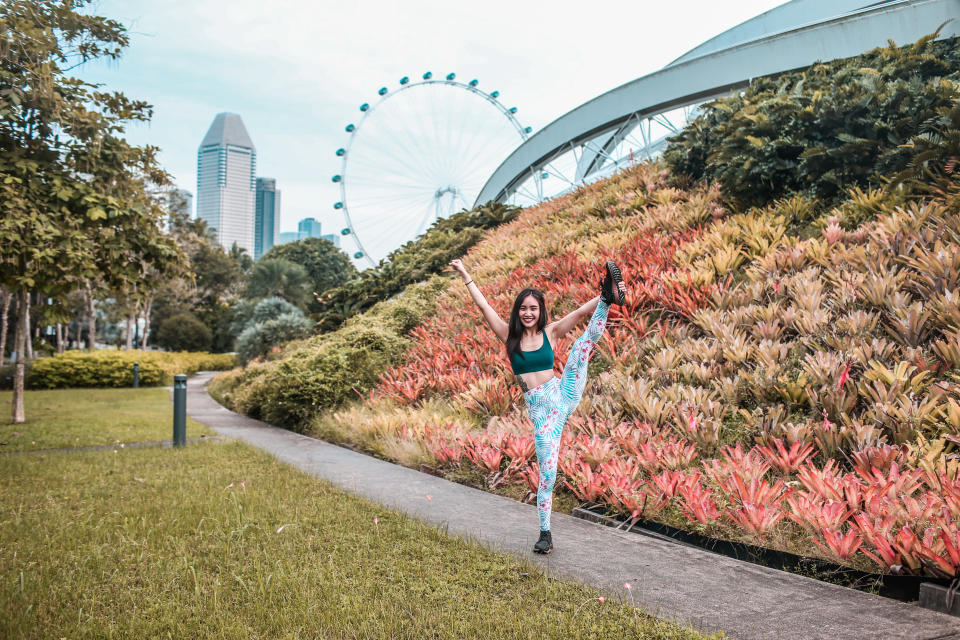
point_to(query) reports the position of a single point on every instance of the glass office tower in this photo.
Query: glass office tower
(267, 219)
(226, 184)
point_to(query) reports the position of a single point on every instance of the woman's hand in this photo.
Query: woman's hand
(457, 266)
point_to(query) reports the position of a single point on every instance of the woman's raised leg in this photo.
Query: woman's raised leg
(574, 377)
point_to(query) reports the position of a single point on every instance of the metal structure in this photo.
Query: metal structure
(632, 121)
(179, 410)
(418, 154)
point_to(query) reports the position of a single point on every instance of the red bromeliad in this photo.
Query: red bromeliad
(756, 518)
(787, 461)
(670, 482)
(840, 546)
(698, 504)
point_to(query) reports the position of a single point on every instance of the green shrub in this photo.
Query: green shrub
(115, 368)
(323, 371)
(257, 339)
(184, 332)
(824, 130)
(270, 308)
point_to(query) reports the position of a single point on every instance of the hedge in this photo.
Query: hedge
(323, 371)
(115, 368)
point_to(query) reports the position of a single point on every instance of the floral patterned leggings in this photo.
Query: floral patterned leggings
(551, 403)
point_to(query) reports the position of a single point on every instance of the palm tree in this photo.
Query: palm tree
(280, 278)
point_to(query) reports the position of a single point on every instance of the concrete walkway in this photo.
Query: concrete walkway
(670, 581)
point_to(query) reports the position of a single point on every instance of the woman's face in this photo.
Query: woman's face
(529, 312)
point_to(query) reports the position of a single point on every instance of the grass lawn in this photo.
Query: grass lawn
(219, 540)
(81, 417)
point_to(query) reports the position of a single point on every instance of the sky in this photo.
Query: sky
(296, 71)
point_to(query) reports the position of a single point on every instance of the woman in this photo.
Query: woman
(550, 400)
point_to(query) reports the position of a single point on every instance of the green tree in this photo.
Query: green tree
(74, 197)
(211, 284)
(279, 278)
(326, 265)
(184, 332)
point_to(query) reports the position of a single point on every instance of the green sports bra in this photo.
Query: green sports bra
(539, 360)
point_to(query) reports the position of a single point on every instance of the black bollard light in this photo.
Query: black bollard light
(179, 410)
(136, 375)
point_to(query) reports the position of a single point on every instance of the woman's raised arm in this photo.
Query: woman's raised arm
(496, 323)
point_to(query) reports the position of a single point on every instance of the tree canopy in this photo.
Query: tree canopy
(326, 265)
(77, 201)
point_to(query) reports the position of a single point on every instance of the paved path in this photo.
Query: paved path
(670, 581)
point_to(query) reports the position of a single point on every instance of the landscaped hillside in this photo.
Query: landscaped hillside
(787, 374)
(763, 386)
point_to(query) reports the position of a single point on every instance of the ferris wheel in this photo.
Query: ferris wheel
(417, 154)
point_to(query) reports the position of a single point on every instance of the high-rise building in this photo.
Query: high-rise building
(267, 219)
(308, 228)
(288, 236)
(226, 183)
(332, 237)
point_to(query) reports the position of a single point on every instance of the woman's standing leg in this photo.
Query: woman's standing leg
(548, 413)
(574, 377)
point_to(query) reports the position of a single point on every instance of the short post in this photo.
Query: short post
(136, 375)
(179, 410)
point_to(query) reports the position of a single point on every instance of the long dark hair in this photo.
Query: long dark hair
(516, 327)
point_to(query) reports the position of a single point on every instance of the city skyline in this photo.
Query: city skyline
(185, 58)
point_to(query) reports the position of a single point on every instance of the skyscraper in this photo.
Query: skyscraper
(226, 189)
(308, 228)
(267, 220)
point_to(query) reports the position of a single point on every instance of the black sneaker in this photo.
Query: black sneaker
(610, 287)
(544, 544)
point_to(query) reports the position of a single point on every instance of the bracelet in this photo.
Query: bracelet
(468, 283)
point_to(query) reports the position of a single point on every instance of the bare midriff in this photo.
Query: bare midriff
(533, 379)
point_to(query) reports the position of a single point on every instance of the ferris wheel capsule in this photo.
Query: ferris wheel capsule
(512, 109)
(350, 128)
(338, 205)
(337, 178)
(544, 175)
(358, 255)
(474, 82)
(404, 80)
(527, 129)
(494, 94)
(341, 151)
(364, 106)
(345, 231)
(427, 75)
(383, 91)
(451, 76)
